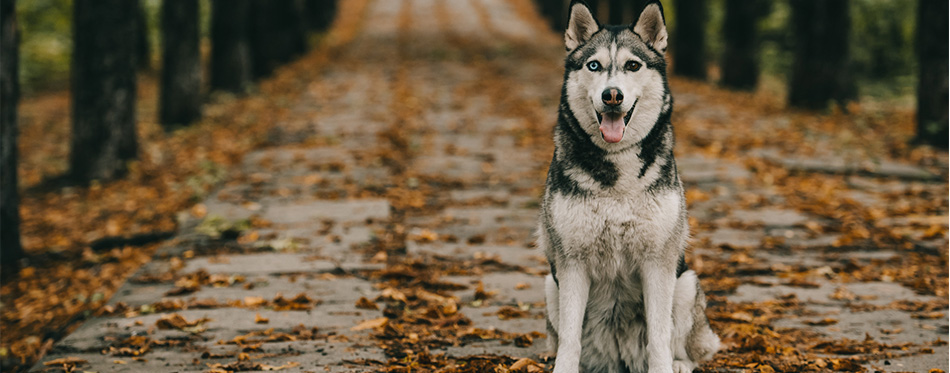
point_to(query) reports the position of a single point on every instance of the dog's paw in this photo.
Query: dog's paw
(680, 366)
(564, 369)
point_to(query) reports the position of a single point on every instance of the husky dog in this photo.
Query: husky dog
(613, 220)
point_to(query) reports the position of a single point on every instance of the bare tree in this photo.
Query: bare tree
(625, 11)
(689, 43)
(555, 11)
(320, 13)
(740, 66)
(143, 55)
(180, 94)
(103, 89)
(11, 252)
(230, 45)
(932, 89)
(616, 10)
(278, 34)
(821, 70)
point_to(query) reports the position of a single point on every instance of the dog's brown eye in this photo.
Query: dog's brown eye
(633, 65)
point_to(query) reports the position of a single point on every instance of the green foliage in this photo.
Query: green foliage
(211, 173)
(45, 43)
(775, 44)
(882, 41)
(215, 226)
(46, 40)
(716, 13)
(882, 46)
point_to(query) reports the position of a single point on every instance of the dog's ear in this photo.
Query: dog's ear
(651, 26)
(581, 25)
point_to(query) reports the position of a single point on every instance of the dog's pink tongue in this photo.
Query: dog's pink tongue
(611, 126)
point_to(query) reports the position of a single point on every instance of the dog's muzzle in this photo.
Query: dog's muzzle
(613, 123)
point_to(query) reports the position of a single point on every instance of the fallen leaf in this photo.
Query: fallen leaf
(366, 304)
(70, 361)
(822, 322)
(258, 319)
(252, 302)
(371, 324)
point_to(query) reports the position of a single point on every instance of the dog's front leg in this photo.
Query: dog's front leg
(658, 285)
(573, 288)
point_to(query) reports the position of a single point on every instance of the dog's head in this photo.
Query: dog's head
(616, 75)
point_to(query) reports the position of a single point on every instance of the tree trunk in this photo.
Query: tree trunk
(555, 11)
(821, 69)
(634, 8)
(230, 45)
(143, 55)
(740, 68)
(616, 11)
(10, 250)
(180, 95)
(689, 44)
(277, 34)
(932, 89)
(320, 13)
(624, 12)
(103, 89)
(594, 6)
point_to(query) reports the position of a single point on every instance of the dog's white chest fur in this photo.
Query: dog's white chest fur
(614, 233)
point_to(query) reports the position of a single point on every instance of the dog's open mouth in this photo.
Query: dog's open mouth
(613, 123)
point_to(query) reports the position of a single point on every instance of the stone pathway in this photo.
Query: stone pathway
(429, 132)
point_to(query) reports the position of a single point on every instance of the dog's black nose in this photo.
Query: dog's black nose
(612, 96)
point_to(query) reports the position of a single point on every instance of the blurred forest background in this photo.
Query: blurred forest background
(882, 34)
(80, 68)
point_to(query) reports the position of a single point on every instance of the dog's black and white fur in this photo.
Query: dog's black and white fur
(613, 220)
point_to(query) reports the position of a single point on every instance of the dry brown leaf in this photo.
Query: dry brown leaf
(176, 321)
(822, 322)
(258, 319)
(366, 304)
(370, 324)
(252, 302)
(70, 361)
(522, 363)
(928, 315)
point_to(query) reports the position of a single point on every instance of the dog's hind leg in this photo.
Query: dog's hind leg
(693, 339)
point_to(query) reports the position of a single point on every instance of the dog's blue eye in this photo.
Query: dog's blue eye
(632, 65)
(593, 65)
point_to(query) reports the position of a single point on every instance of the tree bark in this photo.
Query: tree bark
(740, 67)
(180, 95)
(11, 252)
(932, 89)
(624, 12)
(277, 34)
(821, 70)
(594, 6)
(230, 45)
(103, 89)
(616, 10)
(143, 55)
(320, 13)
(689, 44)
(555, 11)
